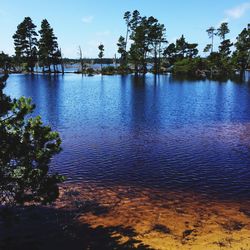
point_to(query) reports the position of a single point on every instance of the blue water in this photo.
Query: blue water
(148, 131)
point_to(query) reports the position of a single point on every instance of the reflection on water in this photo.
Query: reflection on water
(152, 132)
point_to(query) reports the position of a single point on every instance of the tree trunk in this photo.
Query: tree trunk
(62, 64)
(126, 41)
(136, 69)
(242, 74)
(81, 60)
(159, 59)
(212, 48)
(155, 61)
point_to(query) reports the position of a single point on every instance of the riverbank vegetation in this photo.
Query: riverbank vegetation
(143, 48)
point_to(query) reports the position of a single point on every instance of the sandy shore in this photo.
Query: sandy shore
(88, 216)
(159, 219)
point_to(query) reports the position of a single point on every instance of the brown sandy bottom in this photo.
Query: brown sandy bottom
(160, 220)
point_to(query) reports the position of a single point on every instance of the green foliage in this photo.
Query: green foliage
(180, 50)
(188, 67)
(90, 71)
(122, 51)
(223, 30)
(26, 149)
(207, 48)
(147, 36)
(224, 48)
(25, 42)
(108, 70)
(48, 46)
(181, 46)
(101, 52)
(170, 54)
(211, 33)
(241, 57)
(5, 61)
(29, 51)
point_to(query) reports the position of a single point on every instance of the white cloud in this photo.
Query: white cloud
(238, 11)
(87, 19)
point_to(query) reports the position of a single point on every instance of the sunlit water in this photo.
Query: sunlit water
(152, 132)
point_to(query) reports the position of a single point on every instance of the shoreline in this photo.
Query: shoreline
(180, 77)
(150, 219)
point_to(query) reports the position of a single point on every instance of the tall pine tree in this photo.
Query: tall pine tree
(25, 42)
(48, 46)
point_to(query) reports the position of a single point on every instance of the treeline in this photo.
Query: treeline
(229, 58)
(33, 50)
(91, 61)
(143, 48)
(149, 44)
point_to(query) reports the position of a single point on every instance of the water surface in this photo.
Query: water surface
(149, 131)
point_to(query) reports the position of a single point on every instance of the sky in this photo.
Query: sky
(87, 23)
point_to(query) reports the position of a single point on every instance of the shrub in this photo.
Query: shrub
(26, 147)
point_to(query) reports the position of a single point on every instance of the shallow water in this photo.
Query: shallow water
(152, 132)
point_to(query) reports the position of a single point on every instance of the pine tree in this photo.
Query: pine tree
(48, 46)
(122, 51)
(222, 31)
(25, 42)
(26, 149)
(101, 52)
(241, 56)
(211, 33)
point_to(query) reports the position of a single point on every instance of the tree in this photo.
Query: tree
(224, 48)
(25, 42)
(101, 52)
(192, 50)
(211, 33)
(222, 31)
(156, 36)
(122, 51)
(181, 46)
(241, 56)
(25, 152)
(127, 17)
(207, 48)
(5, 61)
(170, 53)
(140, 47)
(135, 20)
(81, 59)
(147, 35)
(48, 46)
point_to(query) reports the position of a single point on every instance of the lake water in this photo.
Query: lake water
(147, 132)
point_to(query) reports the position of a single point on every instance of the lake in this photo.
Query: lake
(148, 132)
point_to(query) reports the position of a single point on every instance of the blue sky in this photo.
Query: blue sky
(87, 23)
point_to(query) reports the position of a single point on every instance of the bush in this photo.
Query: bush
(90, 71)
(26, 147)
(109, 70)
(188, 66)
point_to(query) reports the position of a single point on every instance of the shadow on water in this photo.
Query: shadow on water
(37, 228)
